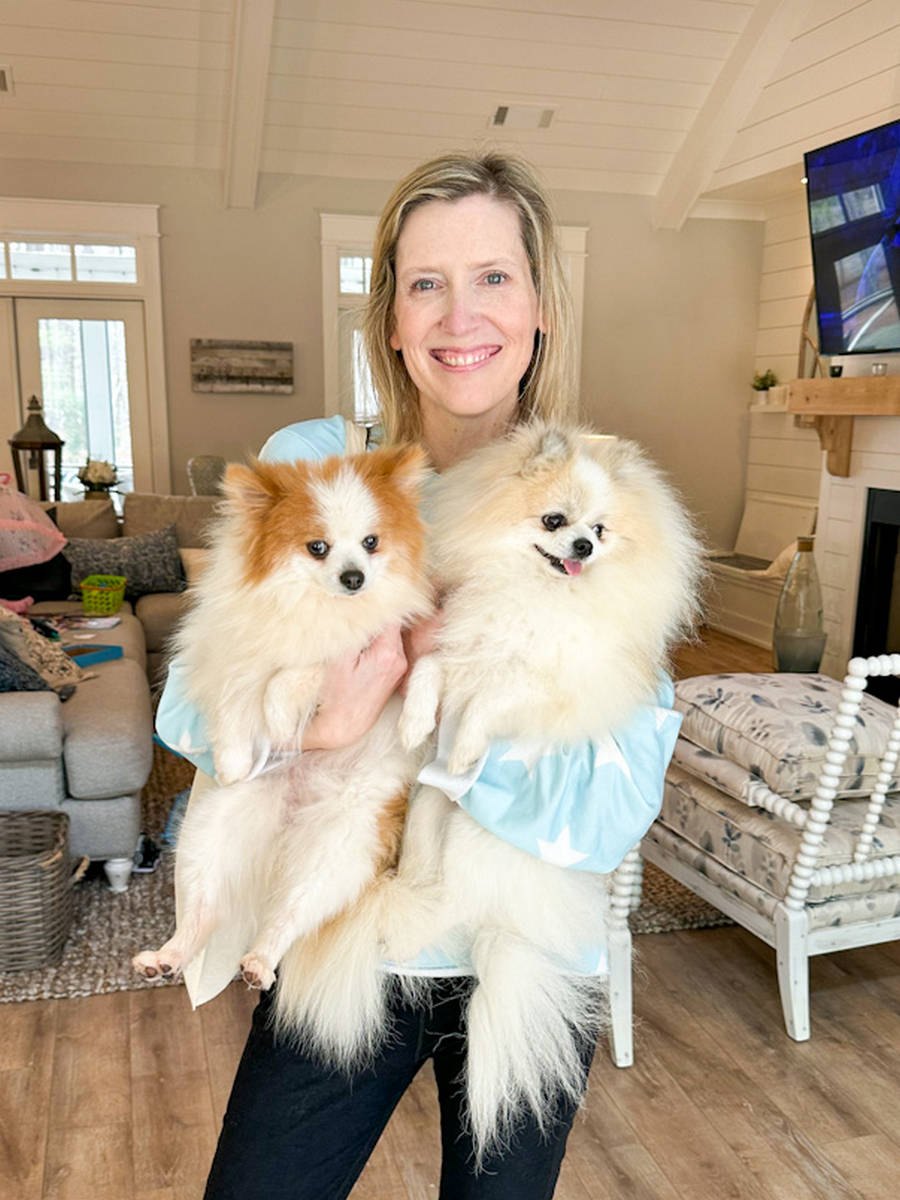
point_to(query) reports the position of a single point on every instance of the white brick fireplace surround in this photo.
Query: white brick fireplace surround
(874, 463)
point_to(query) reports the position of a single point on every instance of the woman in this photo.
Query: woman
(468, 331)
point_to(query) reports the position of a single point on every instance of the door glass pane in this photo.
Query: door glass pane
(85, 394)
(40, 260)
(2, 260)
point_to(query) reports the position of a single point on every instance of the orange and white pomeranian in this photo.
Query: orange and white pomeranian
(309, 563)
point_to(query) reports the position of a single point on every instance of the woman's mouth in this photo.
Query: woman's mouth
(464, 360)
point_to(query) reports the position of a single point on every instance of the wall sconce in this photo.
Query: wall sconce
(30, 447)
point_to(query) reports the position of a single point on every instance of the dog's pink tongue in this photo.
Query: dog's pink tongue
(572, 565)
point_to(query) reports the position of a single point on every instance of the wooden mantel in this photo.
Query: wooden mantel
(833, 403)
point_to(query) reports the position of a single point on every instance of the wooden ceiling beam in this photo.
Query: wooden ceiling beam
(253, 22)
(760, 47)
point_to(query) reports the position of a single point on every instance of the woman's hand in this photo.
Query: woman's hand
(355, 691)
(421, 639)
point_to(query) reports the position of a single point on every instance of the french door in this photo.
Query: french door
(86, 361)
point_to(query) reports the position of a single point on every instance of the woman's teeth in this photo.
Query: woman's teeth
(451, 359)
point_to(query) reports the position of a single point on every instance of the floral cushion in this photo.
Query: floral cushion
(150, 561)
(46, 658)
(776, 727)
(760, 847)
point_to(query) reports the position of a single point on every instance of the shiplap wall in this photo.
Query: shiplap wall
(782, 459)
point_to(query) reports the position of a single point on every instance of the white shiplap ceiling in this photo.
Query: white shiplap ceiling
(668, 98)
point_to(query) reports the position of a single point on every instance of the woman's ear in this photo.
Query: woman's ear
(394, 340)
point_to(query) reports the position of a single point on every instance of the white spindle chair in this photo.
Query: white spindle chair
(788, 929)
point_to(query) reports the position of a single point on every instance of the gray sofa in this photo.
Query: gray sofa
(91, 756)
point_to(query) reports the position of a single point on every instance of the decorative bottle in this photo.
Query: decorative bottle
(799, 633)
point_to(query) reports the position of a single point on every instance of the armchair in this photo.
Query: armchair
(782, 809)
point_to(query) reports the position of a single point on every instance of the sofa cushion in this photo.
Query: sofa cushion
(191, 516)
(47, 658)
(777, 727)
(86, 518)
(108, 729)
(159, 613)
(30, 727)
(149, 561)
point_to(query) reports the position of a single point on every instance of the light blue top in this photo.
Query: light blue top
(582, 806)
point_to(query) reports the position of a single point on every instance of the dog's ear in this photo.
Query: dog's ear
(547, 447)
(406, 465)
(250, 489)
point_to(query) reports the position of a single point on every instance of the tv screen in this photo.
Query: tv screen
(853, 192)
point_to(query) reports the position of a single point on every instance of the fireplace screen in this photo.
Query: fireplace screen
(878, 601)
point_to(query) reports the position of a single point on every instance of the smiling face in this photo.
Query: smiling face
(465, 313)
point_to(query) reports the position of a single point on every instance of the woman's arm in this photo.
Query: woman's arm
(581, 806)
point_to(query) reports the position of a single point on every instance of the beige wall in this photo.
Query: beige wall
(669, 322)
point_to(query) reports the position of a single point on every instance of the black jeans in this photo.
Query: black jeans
(295, 1130)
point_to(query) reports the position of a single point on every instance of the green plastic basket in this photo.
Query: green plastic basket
(102, 595)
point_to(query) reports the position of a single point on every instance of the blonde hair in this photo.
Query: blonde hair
(548, 386)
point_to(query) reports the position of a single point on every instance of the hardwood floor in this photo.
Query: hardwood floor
(120, 1097)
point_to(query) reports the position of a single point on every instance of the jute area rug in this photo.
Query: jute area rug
(107, 929)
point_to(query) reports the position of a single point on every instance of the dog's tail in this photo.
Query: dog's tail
(331, 997)
(530, 1031)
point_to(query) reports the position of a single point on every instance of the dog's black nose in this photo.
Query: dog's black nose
(582, 548)
(352, 580)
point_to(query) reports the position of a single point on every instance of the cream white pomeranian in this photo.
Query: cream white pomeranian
(310, 562)
(568, 567)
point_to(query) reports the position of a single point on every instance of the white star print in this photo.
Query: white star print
(560, 852)
(528, 751)
(662, 715)
(608, 752)
(185, 747)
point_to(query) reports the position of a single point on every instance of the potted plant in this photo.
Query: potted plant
(98, 477)
(763, 380)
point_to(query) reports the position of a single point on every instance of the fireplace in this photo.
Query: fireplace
(878, 599)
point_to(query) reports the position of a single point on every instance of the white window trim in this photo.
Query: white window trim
(138, 224)
(343, 233)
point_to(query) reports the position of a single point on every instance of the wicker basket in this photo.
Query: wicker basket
(102, 595)
(35, 889)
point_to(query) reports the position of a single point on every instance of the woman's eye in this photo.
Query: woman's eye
(494, 277)
(423, 285)
(318, 549)
(553, 521)
(369, 543)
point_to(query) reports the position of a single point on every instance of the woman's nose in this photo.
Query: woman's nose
(461, 313)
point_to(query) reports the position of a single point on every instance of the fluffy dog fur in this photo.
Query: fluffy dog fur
(568, 567)
(310, 562)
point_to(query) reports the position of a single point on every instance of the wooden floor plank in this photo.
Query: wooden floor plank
(89, 1150)
(27, 1049)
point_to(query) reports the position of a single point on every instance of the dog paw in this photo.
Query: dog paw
(414, 727)
(256, 972)
(154, 964)
(232, 765)
(463, 757)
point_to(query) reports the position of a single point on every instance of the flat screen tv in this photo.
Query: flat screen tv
(853, 192)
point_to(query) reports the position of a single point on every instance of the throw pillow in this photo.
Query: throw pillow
(777, 727)
(47, 658)
(16, 676)
(27, 534)
(149, 562)
(50, 580)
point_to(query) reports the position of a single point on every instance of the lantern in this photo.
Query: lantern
(30, 446)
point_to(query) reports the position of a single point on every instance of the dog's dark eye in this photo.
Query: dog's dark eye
(369, 543)
(553, 521)
(318, 549)
(599, 530)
